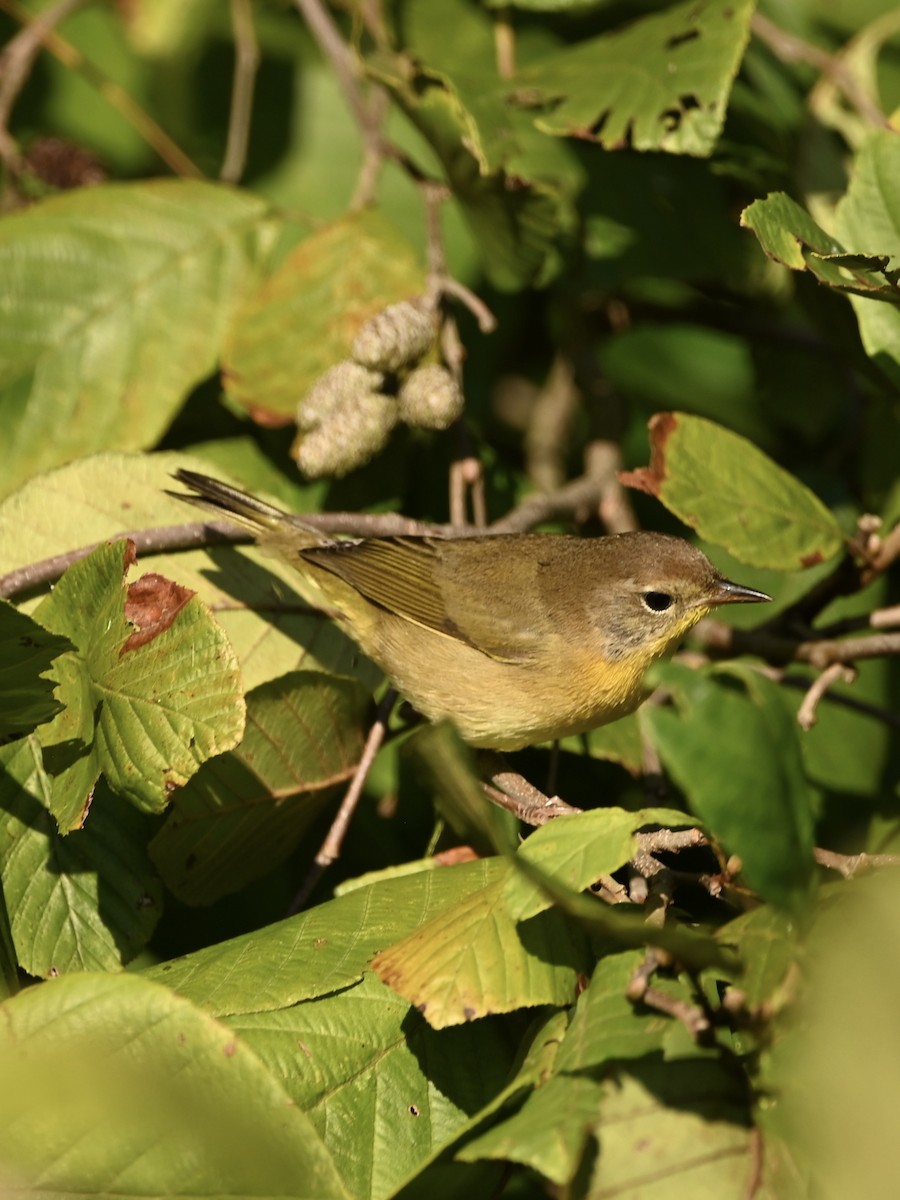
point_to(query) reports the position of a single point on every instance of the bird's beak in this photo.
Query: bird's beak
(726, 592)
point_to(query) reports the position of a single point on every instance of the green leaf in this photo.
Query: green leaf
(384, 1090)
(26, 652)
(113, 1085)
(320, 951)
(869, 217)
(734, 495)
(578, 849)
(766, 941)
(673, 1129)
(151, 692)
(788, 234)
(100, 354)
(606, 1026)
(245, 811)
(733, 748)
(472, 959)
(836, 1066)
(85, 902)
(618, 742)
(515, 187)
(328, 286)
(550, 1132)
(662, 83)
(612, 1044)
(95, 499)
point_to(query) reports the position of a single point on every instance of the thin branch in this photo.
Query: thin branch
(330, 849)
(880, 618)
(504, 42)
(641, 991)
(511, 791)
(721, 641)
(658, 841)
(343, 62)
(152, 133)
(549, 429)
(790, 49)
(836, 673)
(575, 500)
(246, 64)
(849, 865)
(16, 61)
(885, 715)
(440, 282)
(197, 534)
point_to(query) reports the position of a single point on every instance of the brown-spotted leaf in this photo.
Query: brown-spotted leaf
(146, 719)
(151, 605)
(734, 495)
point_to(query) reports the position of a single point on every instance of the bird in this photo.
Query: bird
(517, 638)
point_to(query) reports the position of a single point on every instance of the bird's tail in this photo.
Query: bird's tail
(270, 524)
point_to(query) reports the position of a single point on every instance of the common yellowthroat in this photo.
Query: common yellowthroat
(517, 638)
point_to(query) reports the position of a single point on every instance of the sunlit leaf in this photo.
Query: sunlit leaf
(150, 692)
(116, 1086)
(304, 318)
(734, 495)
(115, 303)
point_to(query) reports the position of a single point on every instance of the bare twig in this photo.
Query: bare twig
(641, 991)
(440, 282)
(196, 534)
(658, 841)
(790, 49)
(330, 849)
(449, 286)
(367, 112)
(549, 427)
(511, 791)
(577, 499)
(720, 640)
(849, 865)
(16, 61)
(880, 618)
(246, 64)
(886, 715)
(836, 673)
(757, 1152)
(152, 133)
(504, 42)
(342, 60)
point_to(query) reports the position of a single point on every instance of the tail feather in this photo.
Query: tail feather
(270, 524)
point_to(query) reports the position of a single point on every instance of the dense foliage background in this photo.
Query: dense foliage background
(658, 241)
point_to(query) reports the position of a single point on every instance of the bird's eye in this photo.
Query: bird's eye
(657, 601)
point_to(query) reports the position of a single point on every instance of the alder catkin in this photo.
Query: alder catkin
(431, 398)
(396, 337)
(351, 436)
(341, 384)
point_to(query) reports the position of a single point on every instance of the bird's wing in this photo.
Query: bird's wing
(397, 574)
(410, 577)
